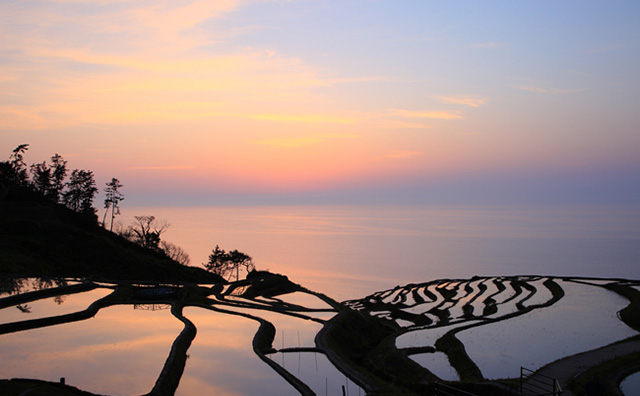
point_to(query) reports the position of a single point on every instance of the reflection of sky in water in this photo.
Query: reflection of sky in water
(221, 359)
(582, 320)
(541, 295)
(49, 307)
(631, 385)
(425, 337)
(25, 285)
(122, 350)
(315, 370)
(304, 299)
(290, 331)
(119, 351)
(346, 252)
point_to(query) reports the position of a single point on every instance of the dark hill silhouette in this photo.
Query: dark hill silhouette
(41, 238)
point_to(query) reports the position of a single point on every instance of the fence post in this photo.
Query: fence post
(556, 388)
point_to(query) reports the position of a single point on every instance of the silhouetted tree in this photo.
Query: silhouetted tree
(58, 174)
(11, 285)
(112, 198)
(146, 232)
(225, 264)
(122, 230)
(218, 262)
(80, 192)
(48, 180)
(16, 171)
(45, 283)
(41, 178)
(175, 252)
(240, 260)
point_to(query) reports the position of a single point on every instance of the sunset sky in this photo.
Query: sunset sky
(204, 102)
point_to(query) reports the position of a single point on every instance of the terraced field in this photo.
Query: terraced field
(401, 340)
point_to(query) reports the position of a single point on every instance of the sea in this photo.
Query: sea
(351, 251)
(345, 252)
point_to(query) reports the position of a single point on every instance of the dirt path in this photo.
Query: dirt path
(565, 369)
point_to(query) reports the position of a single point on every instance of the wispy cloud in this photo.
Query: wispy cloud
(177, 16)
(166, 167)
(399, 154)
(531, 88)
(303, 118)
(441, 115)
(100, 150)
(301, 141)
(349, 80)
(386, 123)
(415, 119)
(23, 117)
(551, 90)
(466, 100)
(142, 62)
(544, 87)
(608, 48)
(488, 44)
(115, 26)
(290, 142)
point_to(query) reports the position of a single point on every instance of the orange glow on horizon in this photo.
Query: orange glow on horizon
(250, 96)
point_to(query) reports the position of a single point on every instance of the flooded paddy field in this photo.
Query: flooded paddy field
(250, 337)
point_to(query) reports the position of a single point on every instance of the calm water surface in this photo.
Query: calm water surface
(347, 252)
(122, 350)
(584, 319)
(630, 386)
(351, 251)
(118, 352)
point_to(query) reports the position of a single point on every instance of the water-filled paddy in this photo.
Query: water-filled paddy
(221, 360)
(348, 253)
(124, 347)
(630, 386)
(585, 318)
(52, 306)
(119, 351)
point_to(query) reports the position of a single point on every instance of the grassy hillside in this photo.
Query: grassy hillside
(38, 238)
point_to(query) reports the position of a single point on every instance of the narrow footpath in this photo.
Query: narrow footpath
(565, 369)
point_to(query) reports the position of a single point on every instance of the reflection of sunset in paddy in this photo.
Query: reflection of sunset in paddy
(230, 332)
(49, 307)
(220, 354)
(221, 358)
(351, 146)
(119, 351)
(122, 350)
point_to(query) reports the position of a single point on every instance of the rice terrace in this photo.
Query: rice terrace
(377, 342)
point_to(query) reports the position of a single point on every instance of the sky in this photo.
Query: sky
(231, 101)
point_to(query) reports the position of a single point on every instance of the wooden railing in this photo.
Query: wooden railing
(439, 389)
(532, 384)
